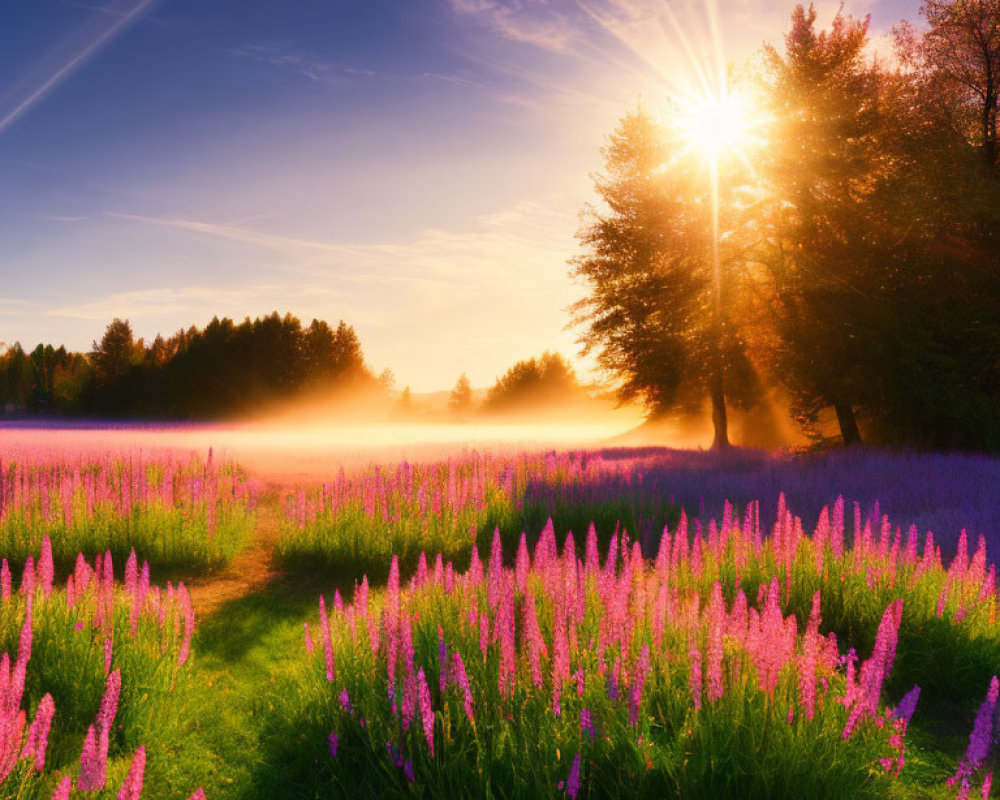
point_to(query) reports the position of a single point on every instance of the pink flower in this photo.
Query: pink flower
(426, 710)
(522, 565)
(324, 622)
(310, 645)
(45, 567)
(641, 672)
(132, 787)
(716, 621)
(462, 681)
(484, 634)
(809, 660)
(533, 637)
(93, 762)
(694, 676)
(63, 789)
(109, 703)
(38, 733)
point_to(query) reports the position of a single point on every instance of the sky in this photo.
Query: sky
(416, 168)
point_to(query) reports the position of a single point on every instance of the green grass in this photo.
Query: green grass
(248, 716)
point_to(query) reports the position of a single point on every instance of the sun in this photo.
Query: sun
(716, 124)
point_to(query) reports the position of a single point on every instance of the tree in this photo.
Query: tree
(961, 51)
(824, 266)
(545, 381)
(460, 399)
(115, 354)
(648, 269)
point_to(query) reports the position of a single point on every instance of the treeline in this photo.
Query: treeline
(857, 258)
(224, 369)
(532, 385)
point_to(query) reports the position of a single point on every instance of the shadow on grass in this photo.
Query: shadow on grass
(340, 561)
(239, 625)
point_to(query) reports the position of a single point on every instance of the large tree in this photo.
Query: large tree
(647, 264)
(824, 264)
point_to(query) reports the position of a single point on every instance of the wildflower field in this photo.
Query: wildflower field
(501, 624)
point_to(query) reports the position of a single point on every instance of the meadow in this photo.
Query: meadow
(500, 623)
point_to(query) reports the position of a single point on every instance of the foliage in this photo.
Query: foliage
(222, 370)
(460, 398)
(534, 383)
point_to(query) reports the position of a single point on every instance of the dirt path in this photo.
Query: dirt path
(250, 571)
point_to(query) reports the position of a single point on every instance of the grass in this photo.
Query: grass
(71, 644)
(355, 525)
(249, 714)
(182, 517)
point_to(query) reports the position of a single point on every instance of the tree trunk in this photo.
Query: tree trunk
(990, 129)
(848, 424)
(720, 420)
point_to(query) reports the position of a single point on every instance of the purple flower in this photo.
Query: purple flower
(573, 781)
(907, 705)
(334, 743)
(981, 736)
(442, 661)
(345, 701)
(408, 770)
(587, 723)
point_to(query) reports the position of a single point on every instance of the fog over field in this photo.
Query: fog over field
(286, 450)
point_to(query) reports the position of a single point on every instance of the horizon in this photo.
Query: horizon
(413, 169)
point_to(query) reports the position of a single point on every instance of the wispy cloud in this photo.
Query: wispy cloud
(188, 302)
(471, 296)
(12, 305)
(58, 218)
(456, 80)
(532, 22)
(305, 64)
(64, 62)
(239, 234)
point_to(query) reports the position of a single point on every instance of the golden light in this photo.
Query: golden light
(714, 125)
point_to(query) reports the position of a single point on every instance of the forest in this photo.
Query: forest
(856, 258)
(222, 370)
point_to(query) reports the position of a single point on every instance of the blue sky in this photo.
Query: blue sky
(415, 167)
